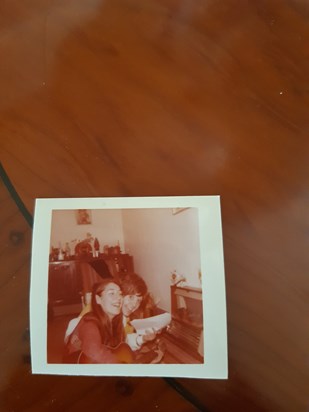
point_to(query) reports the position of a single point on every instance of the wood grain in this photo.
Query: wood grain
(133, 98)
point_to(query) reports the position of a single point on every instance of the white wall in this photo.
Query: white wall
(106, 226)
(160, 243)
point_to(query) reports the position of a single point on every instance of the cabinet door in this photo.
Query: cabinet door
(64, 284)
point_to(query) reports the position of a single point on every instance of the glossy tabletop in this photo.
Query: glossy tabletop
(150, 98)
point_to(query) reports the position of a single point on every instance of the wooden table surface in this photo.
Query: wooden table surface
(153, 97)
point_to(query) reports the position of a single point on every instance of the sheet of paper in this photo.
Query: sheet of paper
(155, 322)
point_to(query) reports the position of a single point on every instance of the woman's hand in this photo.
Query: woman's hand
(149, 335)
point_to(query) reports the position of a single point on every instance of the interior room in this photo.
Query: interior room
(159, 244)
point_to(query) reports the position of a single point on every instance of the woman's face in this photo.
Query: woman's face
(110, 300)
(131, 303)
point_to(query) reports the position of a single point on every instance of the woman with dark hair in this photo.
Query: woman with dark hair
(136, 304)
(134, 291)
(101, 330)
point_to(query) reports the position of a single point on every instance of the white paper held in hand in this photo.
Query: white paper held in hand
(155, 322)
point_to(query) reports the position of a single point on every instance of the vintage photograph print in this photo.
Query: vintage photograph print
(127, 287)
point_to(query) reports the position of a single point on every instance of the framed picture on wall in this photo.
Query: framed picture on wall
(177, 210)
(83, 217)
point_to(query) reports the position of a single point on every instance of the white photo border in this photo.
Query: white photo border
(213, 288)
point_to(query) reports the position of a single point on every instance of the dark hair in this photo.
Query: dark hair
(111, 331)
(133, 284)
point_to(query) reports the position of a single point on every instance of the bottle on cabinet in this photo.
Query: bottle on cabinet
(117, 249)
(60, 253)
(96, 247)
(67, 250)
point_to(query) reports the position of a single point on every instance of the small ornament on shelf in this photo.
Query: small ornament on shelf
(177, 279)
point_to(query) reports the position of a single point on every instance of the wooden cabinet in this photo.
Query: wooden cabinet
(69, 280)
(65, 288)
